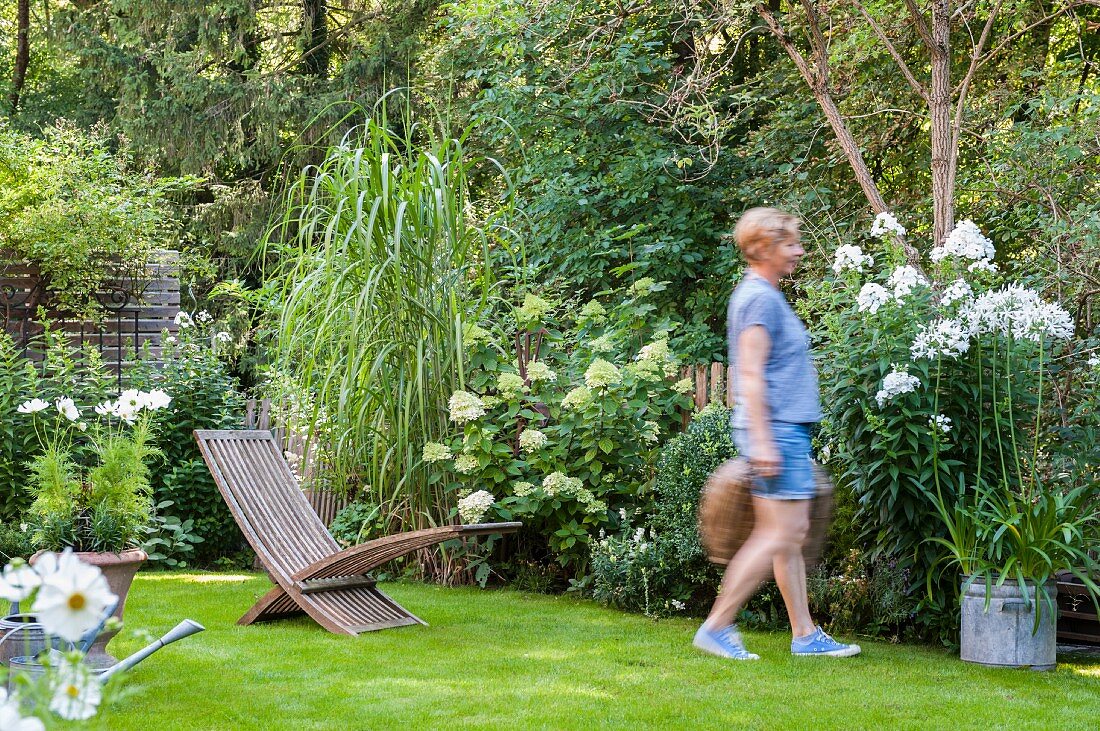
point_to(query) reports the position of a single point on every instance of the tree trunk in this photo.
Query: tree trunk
(316, 54)
(944, 153)
(22, 52)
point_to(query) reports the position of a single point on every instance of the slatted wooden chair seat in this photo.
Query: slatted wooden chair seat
(311, 573)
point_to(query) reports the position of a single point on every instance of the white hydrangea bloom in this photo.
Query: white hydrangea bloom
(966, 242)
(465, 407)
(510, 385)
(436, 452)
(683, 386)
(851, 257)
(871, 297)
(886, 223)
(473, 507)
(577, 399)
(465, 463)
(895, 383)
(903, 279)
(531, 440)
(522, 489)
(947, 337)
(539, 371)
(602, 344)
(601, 374)
(957, 291)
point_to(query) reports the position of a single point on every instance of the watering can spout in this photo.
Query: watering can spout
(186, 628)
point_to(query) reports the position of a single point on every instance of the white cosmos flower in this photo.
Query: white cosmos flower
(33, 406)
(105, 408)
(18, 582)
(73, 596)
(67, 408)
(75, 693)
(10, 717)
(155, 399)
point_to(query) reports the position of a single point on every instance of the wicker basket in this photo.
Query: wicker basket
(726, 515)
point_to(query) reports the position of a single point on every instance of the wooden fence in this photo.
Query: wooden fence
(712, 384)
(135, 312)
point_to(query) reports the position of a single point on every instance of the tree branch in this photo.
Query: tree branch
(964, 86)
(917, 87)
(919, 23)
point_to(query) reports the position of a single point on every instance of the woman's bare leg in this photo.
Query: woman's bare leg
(780, 529)
(789, 566)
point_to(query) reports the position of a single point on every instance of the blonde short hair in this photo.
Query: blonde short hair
(759, 229)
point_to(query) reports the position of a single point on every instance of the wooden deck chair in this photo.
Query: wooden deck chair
(311, 573)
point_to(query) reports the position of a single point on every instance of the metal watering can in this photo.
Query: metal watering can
(30, 665)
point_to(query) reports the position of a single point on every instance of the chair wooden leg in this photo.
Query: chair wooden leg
(275, 604)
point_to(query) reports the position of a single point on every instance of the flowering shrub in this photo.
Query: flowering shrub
(932, 381)
(69, 600)
(561, 431)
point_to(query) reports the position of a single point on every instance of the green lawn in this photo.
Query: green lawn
(503, 659)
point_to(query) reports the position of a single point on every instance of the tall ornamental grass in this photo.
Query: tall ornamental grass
(379, 264)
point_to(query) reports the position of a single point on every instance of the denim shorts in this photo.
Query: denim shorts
(795, 480)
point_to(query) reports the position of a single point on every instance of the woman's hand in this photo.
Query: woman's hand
(765, 458)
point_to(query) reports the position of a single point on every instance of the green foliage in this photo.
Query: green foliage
(381, 260)
(667, 570)
(15, 541)
(170, 542)
(563, 417)
(18, 443)
(79, 212)
(356, 523)
(862, 594)
(204, 396)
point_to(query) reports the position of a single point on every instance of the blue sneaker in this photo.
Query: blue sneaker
(725, 642)
(819, 643)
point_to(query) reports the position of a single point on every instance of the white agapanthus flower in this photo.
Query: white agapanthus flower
(531, 440)
(851, 257)
(886, 223)
(895, 383)
(472, 508)
(947, 337)
(957, 291)
(871, 297)
(940, 423)
(966, 242)
(33, 406)
(73, 595)
(903, 279)
(465, 407)
(75, 692)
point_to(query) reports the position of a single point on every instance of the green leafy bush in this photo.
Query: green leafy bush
(170, 542)
(357, 522)
(204, 396)
(562, 418)
(18, 443)
(80, 212)
(664, 569)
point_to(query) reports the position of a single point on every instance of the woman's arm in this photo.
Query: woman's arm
(753, 347)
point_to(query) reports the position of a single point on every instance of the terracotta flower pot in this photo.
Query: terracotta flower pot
(119, 570)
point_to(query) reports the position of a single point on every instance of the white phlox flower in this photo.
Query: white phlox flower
(1094, 360)
(982, 266)
(204, 317)
(966, 242)
(903, 279)
(75, 693)
(851, 257)
(940, 423)
(871, 297)
(73, 596)
(33, 406)
(223, 337)
(885, 223)
(946, 337)
(895, 383)
(957, 291)
(183, 319)
(1018, 312)
(472, 508)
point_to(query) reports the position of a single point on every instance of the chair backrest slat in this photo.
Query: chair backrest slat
(265, 498)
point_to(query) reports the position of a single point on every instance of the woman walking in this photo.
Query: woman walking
(776, 403)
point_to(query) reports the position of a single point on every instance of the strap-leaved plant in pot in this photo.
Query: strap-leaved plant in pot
(90, 485)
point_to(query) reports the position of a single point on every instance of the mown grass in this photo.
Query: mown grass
(505, 659)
